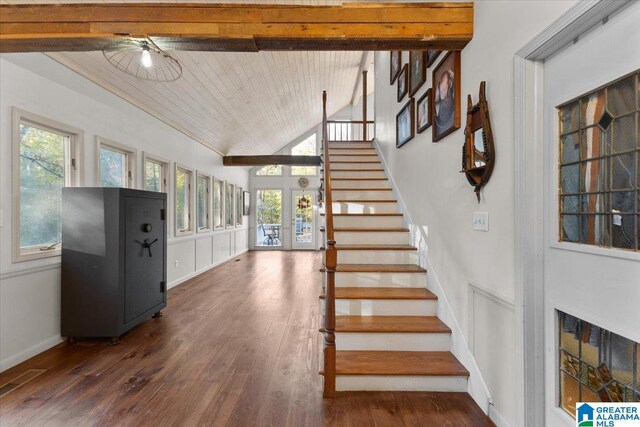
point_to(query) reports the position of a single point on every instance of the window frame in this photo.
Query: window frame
(291, 173)
(189, 205)
(208, 203)
(222, 197)
(75, 162)
(164, 164)
(129, 152)
(239, 215)
(233, 205)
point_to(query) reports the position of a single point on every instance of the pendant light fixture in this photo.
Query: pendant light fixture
(143, 59)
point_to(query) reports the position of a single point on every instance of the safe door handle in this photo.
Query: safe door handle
(147, 245)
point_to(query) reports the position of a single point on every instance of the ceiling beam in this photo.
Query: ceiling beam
(271, 160)
(237, 27)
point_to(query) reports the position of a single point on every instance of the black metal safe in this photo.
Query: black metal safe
(114, 267)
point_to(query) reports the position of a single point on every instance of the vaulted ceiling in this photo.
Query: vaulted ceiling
(235, 103)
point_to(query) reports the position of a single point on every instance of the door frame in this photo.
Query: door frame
(312, 246)
(529, 194)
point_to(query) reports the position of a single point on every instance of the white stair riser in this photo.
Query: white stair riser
(365, 221)
(364, 207)
(361, 195)
(372, 238)
(358, 165)
(386, 307)
(381, 280)
(357, 183)
(401, 383)
(347, 150)
(350, 144)
(373, 341)
(343, 158)
(357, 174)
(377, 257)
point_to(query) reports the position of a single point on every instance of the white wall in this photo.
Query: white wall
(441, 202)
(30, 291)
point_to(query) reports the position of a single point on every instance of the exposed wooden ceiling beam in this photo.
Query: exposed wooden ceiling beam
(245, 27)
(271, 160)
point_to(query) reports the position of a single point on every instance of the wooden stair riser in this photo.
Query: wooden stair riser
(401, 383)
(372, 163)
(372, 238)
(367, 221)
(377, 256)
(384, 307)
(364, 207)
(375, 183)
(381, 280)
(350, 145)
(362, 195)
(355, 158)
(342, 151)
(357, 174)
(393, 341)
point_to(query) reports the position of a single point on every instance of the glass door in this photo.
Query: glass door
(302, 221)
(269, 218)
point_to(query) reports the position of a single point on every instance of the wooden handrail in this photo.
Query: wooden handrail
(330, 262)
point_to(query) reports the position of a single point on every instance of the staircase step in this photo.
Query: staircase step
(385, 293)
(359, 183)
(377, 254)
(360, 144)
(364, 247)
(397, 324)
(337, 151)
(368, 220)
(427, 363)
(379, 268)
(371, 230)
(379, 236)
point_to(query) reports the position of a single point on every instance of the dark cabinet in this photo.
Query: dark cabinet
(114, 268)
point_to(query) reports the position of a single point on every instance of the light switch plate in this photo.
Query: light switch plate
(481, 221)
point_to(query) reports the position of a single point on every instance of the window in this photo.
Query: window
(228, 205)
(599, 186)
(203, 203)
(218, 201)
(46, 158)
(183, 201)
(269, 218)
(270, 170)
(308, 147)
(239, 217)
(116, 164)
(596, 365)
(155, 174)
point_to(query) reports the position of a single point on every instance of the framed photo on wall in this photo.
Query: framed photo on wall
(394, 65)
(446, 96)
(405, 123)
(432, 55)
(425, 111)
(417, 70)
(403, 82)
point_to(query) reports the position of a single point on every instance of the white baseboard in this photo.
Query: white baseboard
(12, 361)
(497, 417)
(202, 270)
(477, 389)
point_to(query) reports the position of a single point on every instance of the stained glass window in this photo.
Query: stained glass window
(599, 174)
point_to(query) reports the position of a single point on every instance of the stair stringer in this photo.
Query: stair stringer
(477, 387)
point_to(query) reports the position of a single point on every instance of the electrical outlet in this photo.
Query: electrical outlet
(481, 221)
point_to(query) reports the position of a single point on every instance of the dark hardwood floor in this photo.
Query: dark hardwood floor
(237, 346)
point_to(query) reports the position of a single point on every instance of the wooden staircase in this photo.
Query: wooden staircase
(381, 329)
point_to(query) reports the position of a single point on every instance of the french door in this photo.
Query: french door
(303, 220)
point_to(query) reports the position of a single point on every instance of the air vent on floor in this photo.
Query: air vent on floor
(19, 381)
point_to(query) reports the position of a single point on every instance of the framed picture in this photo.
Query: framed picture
(432, 55)
(425, 111)
(417, 70)
(246, 196)
(403, 82)
(405, 123)
(394, 65)
(446, 96)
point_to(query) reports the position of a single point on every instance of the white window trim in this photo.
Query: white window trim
(222, 218)
(76, 142)
(208, 201)
(239, 215)
(130, 152)
(233, 205)
(191, 205)
(165, 169)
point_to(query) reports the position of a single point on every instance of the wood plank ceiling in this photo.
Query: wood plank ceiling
(235, 103)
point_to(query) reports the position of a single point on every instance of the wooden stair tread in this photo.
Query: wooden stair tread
(364, 201)
(374, 247)
(358, 179)
(372, 230)
(355, 154)
(351, 148)
(428, 363)
(385, 293)
(357, 170)
(379, 268)
(367, 214)
(353, 161)
(399, 324)
(360, 189)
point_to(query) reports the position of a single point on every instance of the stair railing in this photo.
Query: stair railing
(351, 130)
(330, 262)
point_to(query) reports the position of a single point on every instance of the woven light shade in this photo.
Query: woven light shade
(143, 59)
